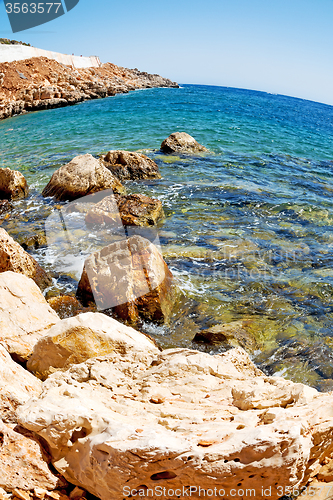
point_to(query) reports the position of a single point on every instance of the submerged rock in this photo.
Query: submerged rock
(131, 166)
(13, 184)
(25, 315)
(131, 278)
(14, 258)
(232, 334)
(181, 142)
(67, 306)
(35, 241)
(134, 209)
(16, 387)
(180, 418)
(82, 176)
(74, 340)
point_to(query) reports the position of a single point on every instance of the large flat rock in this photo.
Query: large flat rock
(180, 418)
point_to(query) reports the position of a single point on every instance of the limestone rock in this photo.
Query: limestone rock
(326, 472)
(24, 314)
(131, 278)
(181, 142)
(23, 464)
(82, 176)
(74, 340)
(14, 258)
(316, 490)
(134, 166)
(134, 209)
(233, 334)
(12, 184)
(170, 420)
(16, 386)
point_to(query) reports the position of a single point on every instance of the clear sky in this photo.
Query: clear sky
(279, 46)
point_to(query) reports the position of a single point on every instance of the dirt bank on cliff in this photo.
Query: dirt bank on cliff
(41, 83)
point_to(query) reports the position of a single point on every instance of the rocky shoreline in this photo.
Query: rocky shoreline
(91, 407)
(41, 83)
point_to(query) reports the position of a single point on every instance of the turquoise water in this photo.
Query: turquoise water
(249, 227)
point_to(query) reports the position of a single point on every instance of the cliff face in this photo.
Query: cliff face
(41, 83)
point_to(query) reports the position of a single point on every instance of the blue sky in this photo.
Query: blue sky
(278, 46)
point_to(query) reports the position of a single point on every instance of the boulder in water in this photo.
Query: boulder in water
(13, 184)
(131, 166)
(181, 142)
(131, 278)
(134, 210)
(82, 176)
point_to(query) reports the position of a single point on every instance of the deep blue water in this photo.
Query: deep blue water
(249, 226)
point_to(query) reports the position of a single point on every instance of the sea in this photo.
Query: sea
(248, 228)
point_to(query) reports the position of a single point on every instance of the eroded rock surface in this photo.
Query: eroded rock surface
(134, 210)
(82, 176)
(17, 385)
(131, 278)
(12, 184)
(24, 314)
(14, 258)
(23, 464)
(134, 166)
(88, 335)
(174, 419)
(181, 142)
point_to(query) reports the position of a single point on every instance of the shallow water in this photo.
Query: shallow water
(248, 228)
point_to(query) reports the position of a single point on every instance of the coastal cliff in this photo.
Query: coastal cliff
(41, 83)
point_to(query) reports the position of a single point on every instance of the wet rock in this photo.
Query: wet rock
(317, 356)
(25, 315)
(227, 250)
(134, 166)
(67, 306)
(34, 242)
(173, 419)
(17, 385)
(82, 176)
(14, 258)
(12, 184)
(232, 334)
(5, 207)
(134, 210)
(131, 279)
(74, 340)
(23, 463)
(181, 142)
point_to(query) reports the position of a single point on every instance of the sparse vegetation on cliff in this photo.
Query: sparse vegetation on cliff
(6, 41)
